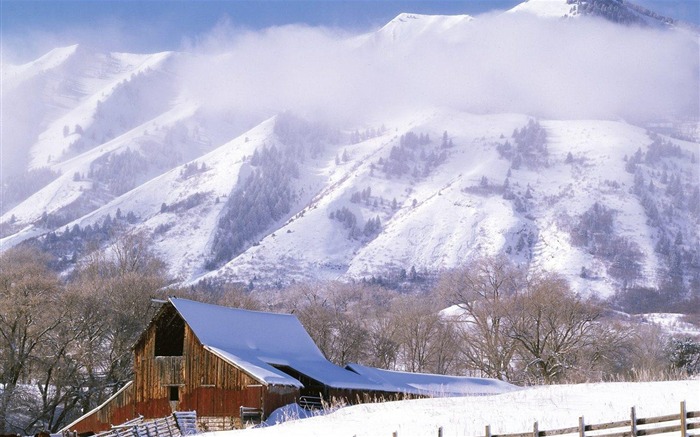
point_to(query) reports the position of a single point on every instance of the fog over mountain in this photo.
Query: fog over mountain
(586, 68)
(561, 134)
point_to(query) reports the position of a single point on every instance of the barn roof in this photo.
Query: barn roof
(257, 341)
(432, 385)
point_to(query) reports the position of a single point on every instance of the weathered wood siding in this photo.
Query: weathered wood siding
(119, 410)
(153, 377)
(206, 383)
(352, 396)
(275, 397)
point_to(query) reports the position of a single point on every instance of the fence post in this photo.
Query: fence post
(488, 431)
(440, 432)
(633, 421)
(581, 427)
(395, 434)
(684, 421)
(535, 430)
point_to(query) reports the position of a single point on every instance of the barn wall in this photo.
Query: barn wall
(153, 375)
(352, 396)
(275, 397)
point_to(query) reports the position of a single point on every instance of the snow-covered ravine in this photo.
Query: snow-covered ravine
(553, 407)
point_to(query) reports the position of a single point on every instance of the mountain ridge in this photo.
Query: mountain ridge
(289, 199)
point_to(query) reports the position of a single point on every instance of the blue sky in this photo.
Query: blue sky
(31, 26)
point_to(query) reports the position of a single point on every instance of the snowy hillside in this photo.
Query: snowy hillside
(546, 8)
(411, 27)
(613, 10)
(226, 185)
(553, 407)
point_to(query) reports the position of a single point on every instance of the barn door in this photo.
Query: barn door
(253, 396)
(206, 401)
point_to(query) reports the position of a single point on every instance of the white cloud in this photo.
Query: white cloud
(583, 68)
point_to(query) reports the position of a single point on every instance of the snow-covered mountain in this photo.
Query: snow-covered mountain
(102, 144)
(410, 27)
(618, 11)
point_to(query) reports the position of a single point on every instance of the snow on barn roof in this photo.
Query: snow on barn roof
(432, 385)
(255, 341)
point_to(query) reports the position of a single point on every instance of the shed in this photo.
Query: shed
(431, 385)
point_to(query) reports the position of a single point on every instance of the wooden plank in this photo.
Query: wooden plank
(572, 430)
(659, 419)
(521, 434)
(659, 430)
(693, 414)
(615, 434)
(609, 425)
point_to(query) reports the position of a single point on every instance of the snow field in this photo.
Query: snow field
(553, 407)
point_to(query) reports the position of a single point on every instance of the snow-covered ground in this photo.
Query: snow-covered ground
(671, 323)
(553, 407)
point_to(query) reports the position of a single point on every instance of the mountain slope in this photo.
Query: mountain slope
(110, 145)
(461, 207)
(546, 8)
(406, 28)
(617, 11)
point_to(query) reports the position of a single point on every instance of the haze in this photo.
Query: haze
(497, 63)
(584, 68)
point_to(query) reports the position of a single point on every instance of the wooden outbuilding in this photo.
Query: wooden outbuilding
(230, 365)
(223, 363)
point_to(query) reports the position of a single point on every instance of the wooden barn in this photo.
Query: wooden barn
(223, 363)
(227, 364)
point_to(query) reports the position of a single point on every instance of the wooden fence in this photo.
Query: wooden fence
(180, 424)
(681, 424)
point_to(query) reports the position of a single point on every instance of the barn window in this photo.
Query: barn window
(174, 393)
(170, 336)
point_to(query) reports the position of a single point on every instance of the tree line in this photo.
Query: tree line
(667, 189)
(65, 341)
(65, 345)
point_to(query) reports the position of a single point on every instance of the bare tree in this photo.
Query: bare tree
(552, 328)
(426, 343)
(415, 327)
(60, 377)
(132, 254)
(382, 347)
(326, 311)
(482, 291)
(29, 301)
(445, 349)
(116, 287)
